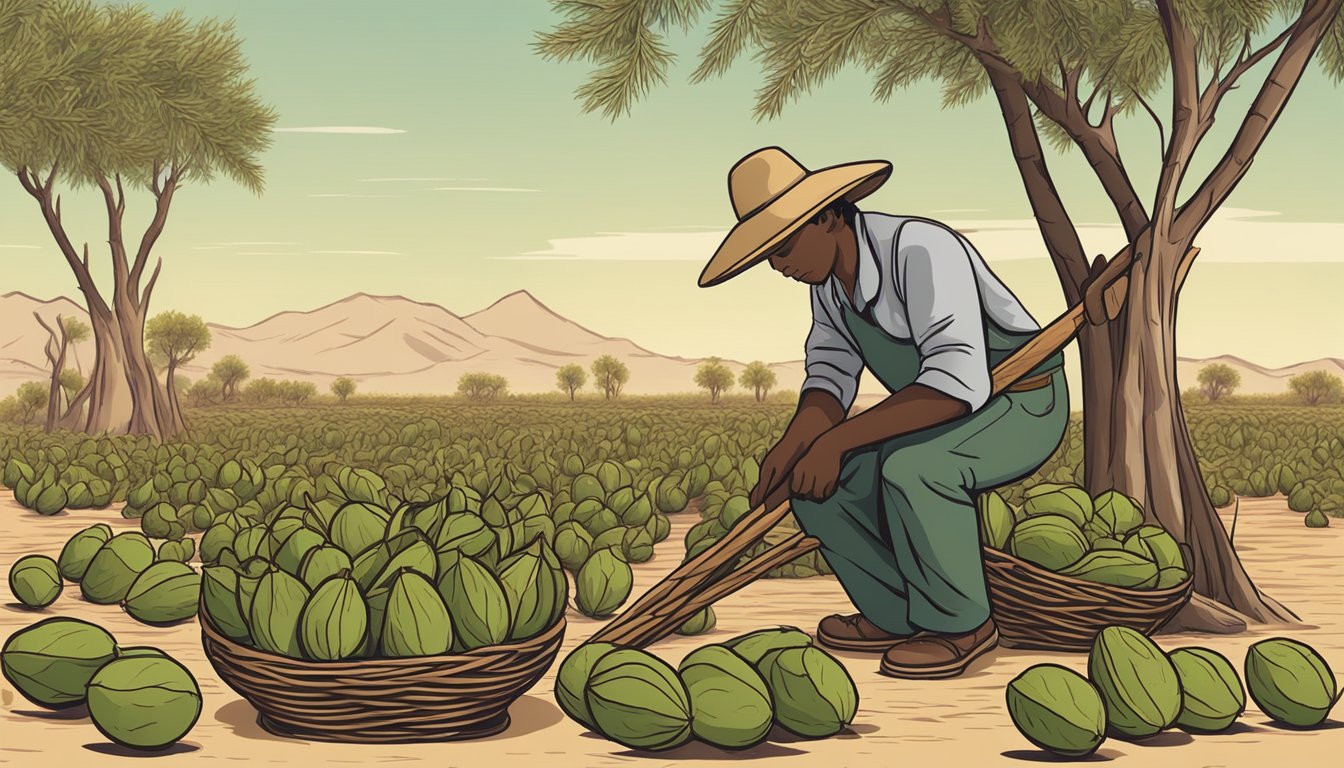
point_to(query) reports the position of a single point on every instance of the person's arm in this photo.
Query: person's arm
(936, 283)
(833, 366)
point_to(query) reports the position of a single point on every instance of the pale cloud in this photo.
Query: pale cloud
(217, 246)
(1236, 235)
(484, 189)
(426, 178)
(359, 253)
(265, 253)
(343, 194)
(362, 129)
(32, 247)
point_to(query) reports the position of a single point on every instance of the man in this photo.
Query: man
(890, 491)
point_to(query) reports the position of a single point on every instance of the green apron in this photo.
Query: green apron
(901, 530)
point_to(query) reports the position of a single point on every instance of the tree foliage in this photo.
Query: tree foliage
(570, 379)
(343, 388)
(1317, 387)
(714, 377)
(758, 377)
(31, 397)
(1218, 380)
(229, 371)
(610, 375)
(71, 382)
(76, 330)
(479, 385)
(176, 337)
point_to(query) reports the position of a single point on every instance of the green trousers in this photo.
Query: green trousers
(901, 531)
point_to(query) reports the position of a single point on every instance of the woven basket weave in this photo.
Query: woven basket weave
(384, 700)
(1037, 608)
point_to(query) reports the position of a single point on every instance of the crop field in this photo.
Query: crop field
(461, 527)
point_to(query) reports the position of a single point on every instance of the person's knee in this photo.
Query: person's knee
(919, 466)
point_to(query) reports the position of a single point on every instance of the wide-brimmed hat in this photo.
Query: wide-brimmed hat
(773, 195)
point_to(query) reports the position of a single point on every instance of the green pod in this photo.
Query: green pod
(1058, 710)
(754, 645)
(416, 622)
(290, 554)
(699, 623)
(334, 621)
(1290, 682)
(219, 594)
(78, 552)
(51, 662)
(572, 678)
(813, 693)
(168, 591)
(1136, 680)
(144, 702)
(115, 567)
(636, 699)
(1212, 697)
(35, 581)
(603, 584)
(321, 563)
(275, 611)
(731, 706)
(476, 601)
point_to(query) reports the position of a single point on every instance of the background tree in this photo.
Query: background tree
(72, 381)
(259, 391)
(205, 392)
(714, 377)
(117, 99)
(176, 338)
(1317, 387)
(296, 392)
(59, 340)
(1218, 380)
(758, 377)
(482, 386)
(229, 371)
(343, 388)
(30, 398)
(1064, 72)
(610, 375)
(570, 378)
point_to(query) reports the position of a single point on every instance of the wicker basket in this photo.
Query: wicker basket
(1037, 608)
(429, 698)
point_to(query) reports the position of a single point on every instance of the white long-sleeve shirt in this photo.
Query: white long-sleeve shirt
(924, 283)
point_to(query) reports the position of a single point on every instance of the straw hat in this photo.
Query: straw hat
(773, 195)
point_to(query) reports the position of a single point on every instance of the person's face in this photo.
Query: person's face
(809, 254)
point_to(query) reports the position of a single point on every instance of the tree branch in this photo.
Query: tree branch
(163, 200)
(41, 192)
(1269, 103)
(1097, 142)
(1219, 87)
(115, 242)
(1185, 115)
(1161, 129)
(149, 286)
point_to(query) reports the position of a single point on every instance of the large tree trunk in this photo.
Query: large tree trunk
(108, 393)
(174, 404)
(1138, 442)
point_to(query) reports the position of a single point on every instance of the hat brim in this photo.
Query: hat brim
(755, 236)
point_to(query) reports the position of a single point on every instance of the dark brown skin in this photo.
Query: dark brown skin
(808, 458)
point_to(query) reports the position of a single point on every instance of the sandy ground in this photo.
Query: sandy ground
(943, 723)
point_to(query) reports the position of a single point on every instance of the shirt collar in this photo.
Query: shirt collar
(869, 276)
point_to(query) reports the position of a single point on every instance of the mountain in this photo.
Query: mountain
(391, 344)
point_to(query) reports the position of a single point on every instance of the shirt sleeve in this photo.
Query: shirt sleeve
(942, 304)
(832, 363)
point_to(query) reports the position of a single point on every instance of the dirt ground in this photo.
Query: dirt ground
(960, 722)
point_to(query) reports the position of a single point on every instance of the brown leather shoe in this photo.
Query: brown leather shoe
(929, 655)
(855, 633)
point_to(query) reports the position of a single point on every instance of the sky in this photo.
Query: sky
(424, 149)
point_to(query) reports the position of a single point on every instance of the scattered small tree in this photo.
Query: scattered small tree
(297, 392)
(482, 386)
(758, 377)
(570, 378)
(259, 391)
(30, 398)
(715, 377)
(343, 388)
(611, 375)
(67, 332)
(176, 338)
(229, 371)
(205, 392)
(1316, 387)
(1218, 380)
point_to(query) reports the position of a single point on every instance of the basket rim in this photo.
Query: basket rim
(537, 642)
(1071, 581)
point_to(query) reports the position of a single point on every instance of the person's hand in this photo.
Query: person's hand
(816, 475)
(774, 470)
